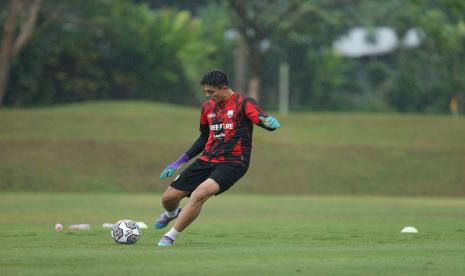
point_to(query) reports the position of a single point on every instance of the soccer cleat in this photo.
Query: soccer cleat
(163, 220)
(165, 242)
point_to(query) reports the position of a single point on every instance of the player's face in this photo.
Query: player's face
(215, 93)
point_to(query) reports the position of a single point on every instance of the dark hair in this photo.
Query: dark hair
(215, 78)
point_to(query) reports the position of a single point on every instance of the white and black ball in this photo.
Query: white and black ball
(125, 231)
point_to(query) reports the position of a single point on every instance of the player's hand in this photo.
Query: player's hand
(270, 122)
(168, 171)
(171, 168)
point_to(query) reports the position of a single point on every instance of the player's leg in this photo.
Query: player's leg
(191, 211)
(170, 200)
(221, 179)
(182, 186)
(200, 195)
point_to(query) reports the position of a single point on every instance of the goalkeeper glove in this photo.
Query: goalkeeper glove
(270, 122)
(171, 168)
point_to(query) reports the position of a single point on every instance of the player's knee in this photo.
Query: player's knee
(169, 198)
(200, 195)
(166, 199)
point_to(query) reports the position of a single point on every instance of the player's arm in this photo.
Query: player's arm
(259, 117)
(193, 151)
(199, 144)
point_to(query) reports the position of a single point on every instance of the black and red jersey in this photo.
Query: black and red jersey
(230, 126)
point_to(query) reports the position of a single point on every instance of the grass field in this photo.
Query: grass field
(123, 146)
(302, 209)
(236, 235)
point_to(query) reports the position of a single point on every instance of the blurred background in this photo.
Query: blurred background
(342, 54)
(101, 95)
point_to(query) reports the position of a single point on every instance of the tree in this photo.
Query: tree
(256, 22)
(23, 14)
(264, 23)
(427, 77)
(112, 50)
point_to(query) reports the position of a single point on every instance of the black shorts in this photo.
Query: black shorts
(225, 174)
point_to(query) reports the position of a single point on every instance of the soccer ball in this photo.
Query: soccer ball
(125, 231)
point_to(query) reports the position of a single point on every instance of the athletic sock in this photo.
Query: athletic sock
(172, 233)
(172, 214)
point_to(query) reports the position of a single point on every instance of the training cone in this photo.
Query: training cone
(409, 229)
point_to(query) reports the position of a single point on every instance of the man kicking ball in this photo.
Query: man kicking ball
(226, 125)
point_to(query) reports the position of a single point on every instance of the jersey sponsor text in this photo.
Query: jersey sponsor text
(217, 127)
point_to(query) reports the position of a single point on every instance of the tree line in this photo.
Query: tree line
(63, 51)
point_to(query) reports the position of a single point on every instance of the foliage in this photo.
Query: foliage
(421, 79)
(120, 51)
(437, 69)
(156, 51)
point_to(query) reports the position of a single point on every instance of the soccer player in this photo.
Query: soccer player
(226, 124)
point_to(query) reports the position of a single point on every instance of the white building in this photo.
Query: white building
(361, 42)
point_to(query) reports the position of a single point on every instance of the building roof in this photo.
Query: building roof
(378, 41)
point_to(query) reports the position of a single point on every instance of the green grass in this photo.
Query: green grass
(236, 235)
(123, 147)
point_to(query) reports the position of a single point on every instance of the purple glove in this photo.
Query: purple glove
(171, 168)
